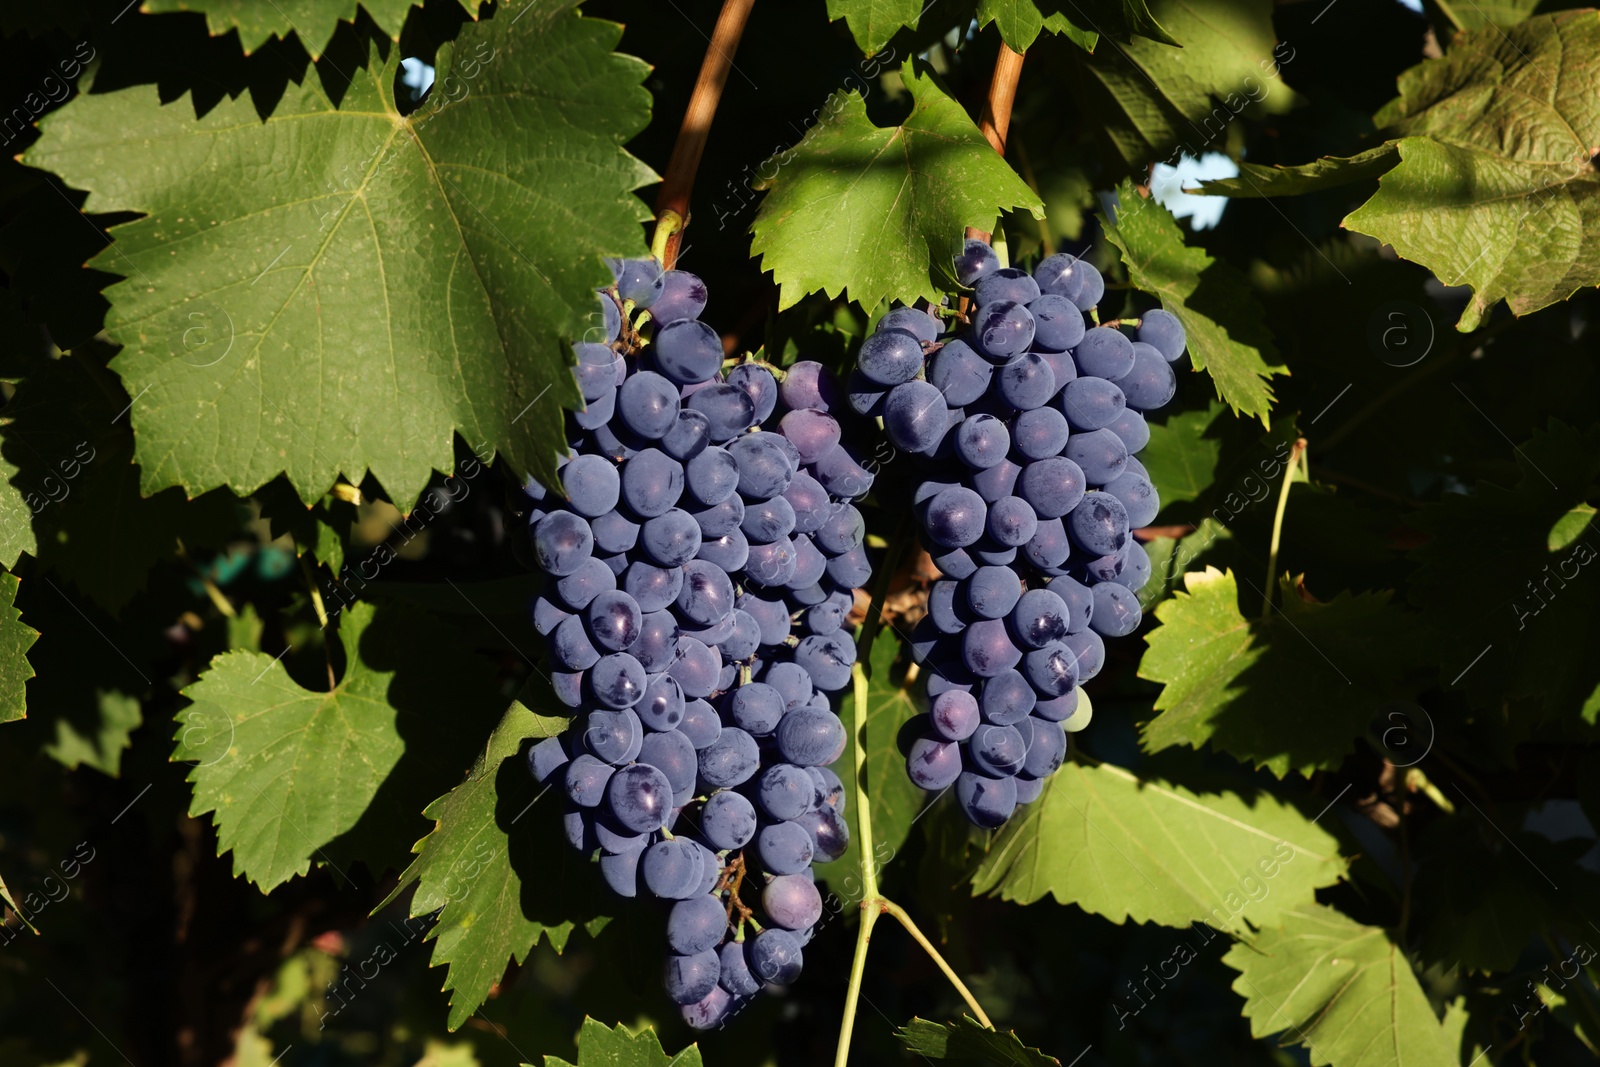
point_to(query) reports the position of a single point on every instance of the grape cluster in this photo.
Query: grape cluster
(701, 569)
(1034, 417)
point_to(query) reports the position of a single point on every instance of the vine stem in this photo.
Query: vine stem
(873, 904)
(673, 199)
(1296, 456)
(869, 874)
(996, 120)
(917, 935)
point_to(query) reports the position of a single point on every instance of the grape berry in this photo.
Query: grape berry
(702, 558)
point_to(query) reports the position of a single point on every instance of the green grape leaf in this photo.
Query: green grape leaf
(873, 22)
(1212, 300)
(1021, 21)
(1512, 634)
(119, 716)
(313, 21)
(1181, 459)
(16, 516)
(16, 637)
(1343, 990)
(1156, 101)
(1130, 848)
(1490, 895)
(969, 1041)
(880, 211)
(498, 867)
(602, 1046)
(341, 289)
(896, 801)
(1227, 678)
(293, 774)
(1496, 186)
(1256, 180)
(65, 437)
(286, 769)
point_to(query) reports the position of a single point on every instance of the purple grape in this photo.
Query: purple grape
(975, 262)
(1012, 522)
(956, 517)
(696, 667)
(614, 620)
(1162, 330)
(1056, 709)
(1151, 383)
(613, 533)
(1051, 670)
(639, 797)
(915, 416)
(998, 481)
(1002, 330)
(1104, 352)
(1131, 429)
(728, 410)
(1091, 403)
(1007, 283)
(827, 659)
(755, 708)
(1040, 433)
(652, 481)
(785, 791)
(617, 680)
(812, 432)
(959, 373)
(671, 539)
(673, 754)
(1007, 698)
(841, 475)
(647, 403)
(1136, 571)
(1026, 381)
(721, 519)
(784, 848)
(736, 977)
(792, 902)
(759, 385)
(997, 751)
(592, 578)
(988, 802)
(954, 715)
(561, 542)
(933, 763)
(728, 821)
(982, 441)
(763, 462)
(1099, 525)
(830, 834)
(1071, 277)
(730, 760)
(987, 648)
(808, 384)
(1116, 610)
(810, 738)
(586, 779)
(992, 592)
(890, 357)
(688, 351)
(682, 296)
(1057, 322)
(1052, 487)
(688, 435)
(639, 280)
(775, 956)
(712, 476)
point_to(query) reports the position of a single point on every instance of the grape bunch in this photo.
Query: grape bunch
(1033, 418)
(700, 572)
